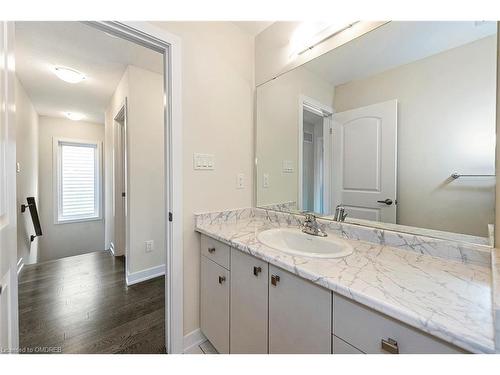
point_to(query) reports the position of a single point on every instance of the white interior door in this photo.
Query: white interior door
(365, 161)
(8, 239)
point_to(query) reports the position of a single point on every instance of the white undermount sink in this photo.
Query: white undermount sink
(294, 241)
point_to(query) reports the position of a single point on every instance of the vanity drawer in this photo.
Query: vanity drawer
(369, 331)
(216, 251)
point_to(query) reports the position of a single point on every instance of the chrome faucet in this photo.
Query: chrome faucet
(340, 213)
(311, 226)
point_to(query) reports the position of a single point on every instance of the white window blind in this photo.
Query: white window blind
(78, 177)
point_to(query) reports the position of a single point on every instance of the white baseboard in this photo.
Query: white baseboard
(150, 273)
(20, 265)
(193, 339)
(112, 248)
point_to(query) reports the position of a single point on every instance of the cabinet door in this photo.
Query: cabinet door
(249, 292)
(299, 315)
(215, 281)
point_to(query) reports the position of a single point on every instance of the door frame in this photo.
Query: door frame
(169, 45)
(123, 147)
(327, 112)
(8, 201)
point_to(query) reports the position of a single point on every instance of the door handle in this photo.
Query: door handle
(222, 279)
(211, 250)
(275, 279)
(256, 270)
(386, 201)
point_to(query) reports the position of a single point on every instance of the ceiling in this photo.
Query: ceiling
(395, 44)
(102, 57)
(253, 27)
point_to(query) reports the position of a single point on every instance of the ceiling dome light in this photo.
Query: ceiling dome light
(68, 74)
(73, 116)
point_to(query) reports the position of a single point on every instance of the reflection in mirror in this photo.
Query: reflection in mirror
(396, 126)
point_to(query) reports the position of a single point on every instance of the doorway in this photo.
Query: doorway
(314, 135)
(166, 44)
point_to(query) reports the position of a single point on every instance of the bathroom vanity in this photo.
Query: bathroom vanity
(379, 299)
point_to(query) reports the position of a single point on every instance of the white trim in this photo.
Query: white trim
(20, 265)
(147, 274)
(56, 178)
(171, 45)
(192, 339)
(316, 106)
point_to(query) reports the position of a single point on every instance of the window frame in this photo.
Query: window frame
(57, 144)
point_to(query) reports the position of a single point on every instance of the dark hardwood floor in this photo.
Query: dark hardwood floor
(82, 304)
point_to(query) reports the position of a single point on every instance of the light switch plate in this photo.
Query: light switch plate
(240, 181)
(203, 161)
(265, 180)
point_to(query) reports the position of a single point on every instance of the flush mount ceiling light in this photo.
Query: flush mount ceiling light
(68, 74)
(73, 116)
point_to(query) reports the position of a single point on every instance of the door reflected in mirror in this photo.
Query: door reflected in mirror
(397, 126)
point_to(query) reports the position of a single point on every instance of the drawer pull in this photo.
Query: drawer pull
(256, 270)
(390, 346)
(211, 250)
(275, 279)
(222, 279)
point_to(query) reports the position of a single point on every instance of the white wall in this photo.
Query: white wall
(277, 131)
(446, 119)
(27, 178)
(217, 100)
(145, 127)
(63, 240)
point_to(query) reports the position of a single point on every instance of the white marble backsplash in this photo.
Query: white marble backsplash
(459, 251)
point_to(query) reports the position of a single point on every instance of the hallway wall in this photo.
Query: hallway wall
(27, 177)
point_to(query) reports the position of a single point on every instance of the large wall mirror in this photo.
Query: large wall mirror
(397, 126)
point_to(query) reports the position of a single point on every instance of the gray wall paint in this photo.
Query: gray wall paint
(63, 240)
(27, 178)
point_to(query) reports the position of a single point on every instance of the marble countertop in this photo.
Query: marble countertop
(445, 298)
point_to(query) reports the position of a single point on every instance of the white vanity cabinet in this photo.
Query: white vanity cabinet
(249, 304)
(359, 329)
(215, 285)
(299, 315)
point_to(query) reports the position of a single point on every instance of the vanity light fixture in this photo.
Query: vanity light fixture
(73, 116)
(305, 39)
(69, 75)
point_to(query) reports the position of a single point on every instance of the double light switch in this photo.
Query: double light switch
(203, 161)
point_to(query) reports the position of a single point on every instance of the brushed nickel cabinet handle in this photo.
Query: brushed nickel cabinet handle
(211, 250)
(275, 279)
(390, 346)
(222, 279)
(256, 270)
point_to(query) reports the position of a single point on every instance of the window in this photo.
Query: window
(78, 192)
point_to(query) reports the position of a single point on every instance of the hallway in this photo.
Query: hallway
(81, 304)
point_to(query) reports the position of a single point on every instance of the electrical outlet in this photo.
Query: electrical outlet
(149, 246)
(240, 181)
(265, 180)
